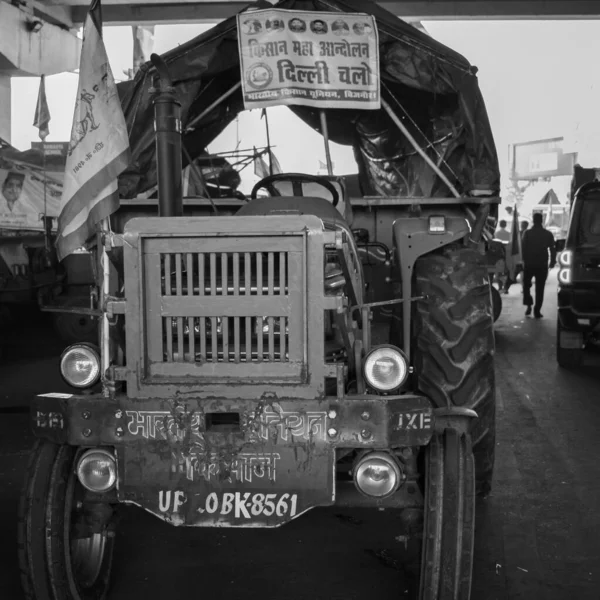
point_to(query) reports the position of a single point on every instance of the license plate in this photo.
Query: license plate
(263, 486)
(246, 505)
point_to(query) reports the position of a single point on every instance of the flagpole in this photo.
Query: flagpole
(268, 141)
(325, 133)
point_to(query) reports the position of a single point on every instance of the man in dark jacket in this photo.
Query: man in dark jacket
(537, 241)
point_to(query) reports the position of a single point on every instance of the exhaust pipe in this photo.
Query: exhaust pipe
(167, 125)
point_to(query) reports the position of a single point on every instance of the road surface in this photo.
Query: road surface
(537, 536)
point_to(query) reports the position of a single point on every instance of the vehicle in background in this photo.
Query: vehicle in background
(578, 323)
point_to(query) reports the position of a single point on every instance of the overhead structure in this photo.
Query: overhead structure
(128, 12)
(31, 45)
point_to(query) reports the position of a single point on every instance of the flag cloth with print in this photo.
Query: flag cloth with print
(513, 249)
(99, 147)
(261, 168)
(549, 213)
(275, 166)
(42, 114)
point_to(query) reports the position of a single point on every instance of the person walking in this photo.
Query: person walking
(537, 241)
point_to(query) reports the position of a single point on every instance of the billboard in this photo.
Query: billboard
(540, 159)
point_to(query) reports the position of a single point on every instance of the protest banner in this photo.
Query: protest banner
(318, 59)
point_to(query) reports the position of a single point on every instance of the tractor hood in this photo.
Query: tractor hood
(433, 89)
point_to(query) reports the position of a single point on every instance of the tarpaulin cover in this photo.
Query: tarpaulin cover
(431, 87)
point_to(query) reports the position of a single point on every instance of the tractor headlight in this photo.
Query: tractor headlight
(80, 365)
(97, 470)
(385, 368)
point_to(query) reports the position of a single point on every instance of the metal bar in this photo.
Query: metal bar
(248, 338)
(224, 276)
(247, 274)
(236, 320)
(213, 336)
(230, 306)
(271, 325)
(325, 133)
(201, 274)
(236, 274)
(105, 339)
(167, 274)
(259, 330)
(178, 292)
(282, 336)
(270, 272)
(259, 274)
(202, 328)
(282, 281)
(397, 201)
(168, 323)
(190, 291)
(225, 330)
(236, 339)
(213, 273)
(218, 101)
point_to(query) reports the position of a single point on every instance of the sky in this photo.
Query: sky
(537, 78)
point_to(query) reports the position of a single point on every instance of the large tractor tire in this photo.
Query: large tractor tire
(449, 518)
(454, 344)
(58, 560)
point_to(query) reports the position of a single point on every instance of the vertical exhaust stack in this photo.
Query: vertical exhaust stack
(167, 125)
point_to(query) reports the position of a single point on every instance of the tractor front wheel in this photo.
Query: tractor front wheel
(59, 557)
(449, 518)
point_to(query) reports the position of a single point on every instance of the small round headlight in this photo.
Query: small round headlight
(377, 475)
(80, 365)
(97, 470)
(385, 368)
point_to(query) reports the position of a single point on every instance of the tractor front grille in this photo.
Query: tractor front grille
(226, 307)
(246, 279)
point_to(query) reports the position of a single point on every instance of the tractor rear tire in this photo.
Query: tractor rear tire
(496, 302)
(454, 344)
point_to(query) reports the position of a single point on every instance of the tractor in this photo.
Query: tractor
(263, 356)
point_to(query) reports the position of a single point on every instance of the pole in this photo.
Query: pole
(268, 141)
(105, 292)
(325, 133)
(167, 125)
(218, 101)
(46, 233)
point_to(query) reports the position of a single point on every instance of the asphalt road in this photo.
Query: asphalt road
(537, 536)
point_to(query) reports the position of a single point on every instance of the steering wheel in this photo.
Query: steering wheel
(294, 178)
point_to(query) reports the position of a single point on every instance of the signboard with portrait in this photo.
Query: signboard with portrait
(22, 196)
(319, 59)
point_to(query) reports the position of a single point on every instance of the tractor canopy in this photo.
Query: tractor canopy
(433, 89)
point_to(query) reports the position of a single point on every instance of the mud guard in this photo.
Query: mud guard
(412, 240)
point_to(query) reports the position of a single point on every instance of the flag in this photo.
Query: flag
(549, 213)
(99, 146)
(275, 166)
(42, 114)
(513, 250)
(143, 41)
(261, 168)
(323, 165)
